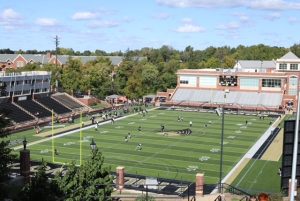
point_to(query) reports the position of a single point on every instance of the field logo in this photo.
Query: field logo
(214, 150)
(192, 168)
(204, 158)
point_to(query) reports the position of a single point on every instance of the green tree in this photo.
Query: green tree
(6, 157)
(92, 181)
(296, 49)
(71, 76)
(97, 77)
(56, 73)
(41, 187)
(65, 51)
(213, 63)
(149, 77)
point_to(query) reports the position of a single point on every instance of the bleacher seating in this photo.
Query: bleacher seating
(53, 105)
(272, 100)
(34, 108)
(67, 101)
(15, 113)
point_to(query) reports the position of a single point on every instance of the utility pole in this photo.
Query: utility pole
(56, 52)
(56, 49)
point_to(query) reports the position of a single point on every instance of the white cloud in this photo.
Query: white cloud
(231, 26)
(200, 3)
(10, 14)
(253, 4)
(274, 4)
(187, 20)
(273, 16)
(103, 23)
(162, 16)
(190, 28)
(242, 17)
(46, 22)
(293, 20)
(84, 16)
(9, 19)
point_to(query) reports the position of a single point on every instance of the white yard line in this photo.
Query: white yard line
(250, 153)
(74, 131)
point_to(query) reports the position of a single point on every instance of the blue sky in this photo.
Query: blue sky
(114, 25)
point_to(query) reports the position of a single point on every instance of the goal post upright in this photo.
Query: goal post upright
(52, 132)
(80, 140)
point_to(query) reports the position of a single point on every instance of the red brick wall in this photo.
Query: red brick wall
(19, 59)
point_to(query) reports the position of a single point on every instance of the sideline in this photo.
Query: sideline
(250, 153)
(76, 130)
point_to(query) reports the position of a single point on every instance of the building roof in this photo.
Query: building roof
(6, 57)
(289, 56)
(114, 96)
(38, 58)
(256, 64)
(63, 59)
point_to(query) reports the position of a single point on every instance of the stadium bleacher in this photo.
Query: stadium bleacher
(52, 104)
(15, 113)
(67, 101)
(34, 108)
(272, 100)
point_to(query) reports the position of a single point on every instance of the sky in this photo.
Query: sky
(119, 25)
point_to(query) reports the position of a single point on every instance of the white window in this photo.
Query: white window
(20, 64)
(293, 66)
(282, 66)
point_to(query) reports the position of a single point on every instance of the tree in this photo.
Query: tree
(92, 181)
(6, 157)
(71, 77)
(296, 49)
(149, 77)
(66, 51)
(96, 77)
(41, 187)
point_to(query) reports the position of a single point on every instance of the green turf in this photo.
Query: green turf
(259, 176)
(17, 138)
(173, 157)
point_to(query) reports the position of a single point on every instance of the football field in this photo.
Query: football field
(167, 154)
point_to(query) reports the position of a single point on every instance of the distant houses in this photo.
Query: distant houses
(14, 61)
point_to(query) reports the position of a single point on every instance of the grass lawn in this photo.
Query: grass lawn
(259, 176)
(170, 156)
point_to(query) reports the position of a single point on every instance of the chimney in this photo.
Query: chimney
(49, 55)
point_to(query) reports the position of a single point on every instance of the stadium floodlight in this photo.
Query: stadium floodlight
(226, 91)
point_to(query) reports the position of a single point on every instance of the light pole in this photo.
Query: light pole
(222, 141)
